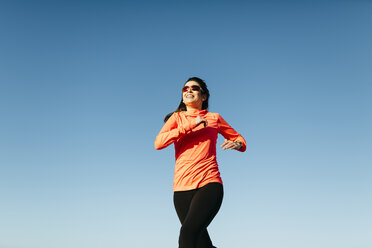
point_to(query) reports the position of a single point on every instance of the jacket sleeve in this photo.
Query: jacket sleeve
(172, 130)
(229, 133)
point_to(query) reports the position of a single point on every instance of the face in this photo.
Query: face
(193, 98)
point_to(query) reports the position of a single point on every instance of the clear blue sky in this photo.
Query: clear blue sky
(84, 86)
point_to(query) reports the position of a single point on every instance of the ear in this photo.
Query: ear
(204, 97)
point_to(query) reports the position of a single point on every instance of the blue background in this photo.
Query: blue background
(84, 86)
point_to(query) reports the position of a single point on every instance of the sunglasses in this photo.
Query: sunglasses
(193, 88)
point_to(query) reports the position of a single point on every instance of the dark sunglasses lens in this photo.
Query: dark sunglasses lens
(195, 87)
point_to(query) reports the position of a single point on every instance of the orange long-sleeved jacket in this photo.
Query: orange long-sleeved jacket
(195, 147)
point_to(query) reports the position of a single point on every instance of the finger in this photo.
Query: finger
(227, 142)
(229, 146)
(198, 120)
(224, 143)
(234, 146)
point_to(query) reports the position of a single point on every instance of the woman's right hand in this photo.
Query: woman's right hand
(199, 120)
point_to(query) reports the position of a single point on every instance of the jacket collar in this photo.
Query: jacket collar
(195, 113)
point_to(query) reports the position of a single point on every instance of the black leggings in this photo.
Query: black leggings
(196, 210)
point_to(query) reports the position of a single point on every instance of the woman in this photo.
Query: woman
(197, 185)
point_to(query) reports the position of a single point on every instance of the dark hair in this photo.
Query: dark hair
(204, 91)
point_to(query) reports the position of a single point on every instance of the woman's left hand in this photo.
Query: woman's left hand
(229, 144)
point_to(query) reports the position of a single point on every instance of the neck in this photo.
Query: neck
(193, 108)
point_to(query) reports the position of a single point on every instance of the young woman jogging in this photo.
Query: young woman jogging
(197, 184)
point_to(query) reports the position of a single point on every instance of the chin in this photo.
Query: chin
(192, 103)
